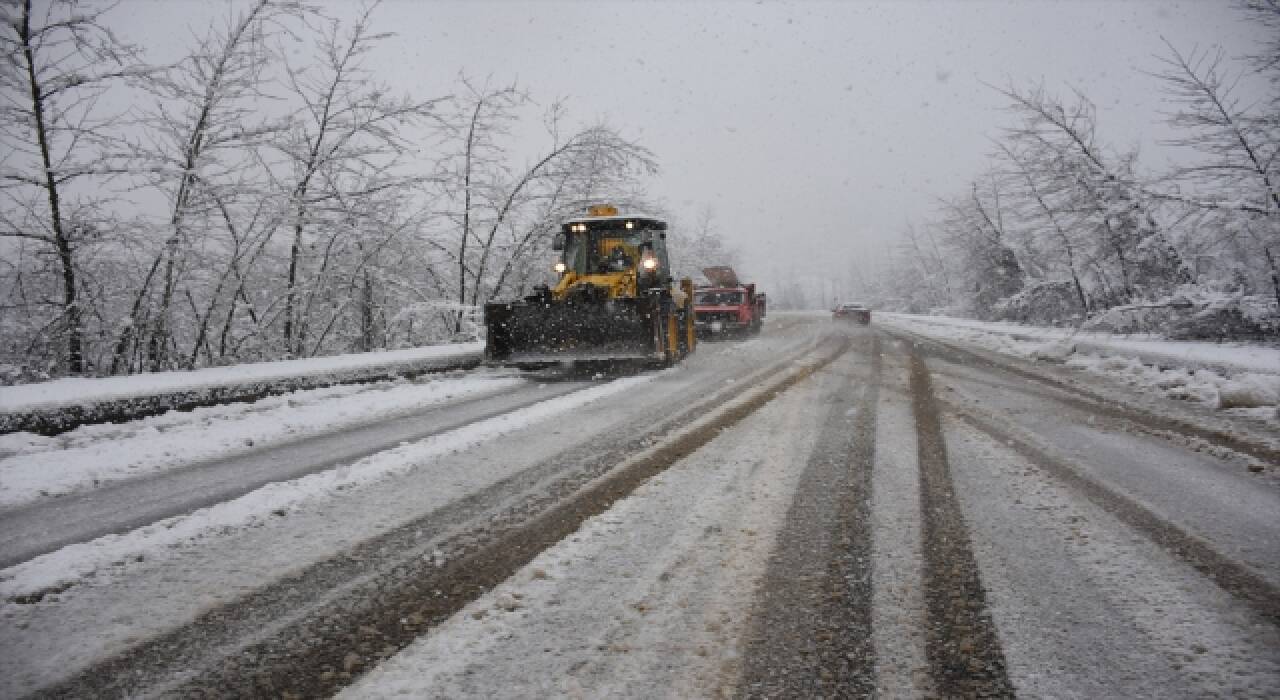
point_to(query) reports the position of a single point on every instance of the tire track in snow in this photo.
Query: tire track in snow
(963, 649)
(812, 630)
(1234, 578)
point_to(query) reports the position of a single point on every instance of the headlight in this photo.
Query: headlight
(649, 264)
(560, 267)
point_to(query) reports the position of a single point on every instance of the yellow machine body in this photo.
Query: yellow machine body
(615, 300)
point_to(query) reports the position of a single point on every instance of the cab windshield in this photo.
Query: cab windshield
(719, 298)
(601, 252)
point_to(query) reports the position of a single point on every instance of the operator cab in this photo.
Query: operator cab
(610, 244)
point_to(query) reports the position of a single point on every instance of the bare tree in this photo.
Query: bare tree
(208, 117)
(481, 116)
(346, 141)
(591, 164)
(699, 246)
(1239, 140)
(935, 277)
(974, 227)
(1266, 13)
(1044, 212)
(58, 62)
(503, 213)
(1105, 187)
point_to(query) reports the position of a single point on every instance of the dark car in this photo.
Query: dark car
(852, 312)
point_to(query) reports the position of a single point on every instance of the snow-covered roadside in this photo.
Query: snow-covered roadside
(1225, 357)
(33, 466)
(1243, 378)
(63, 403)
(70, 391)
(69, 564)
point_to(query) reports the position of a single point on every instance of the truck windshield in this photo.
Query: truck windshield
(719, 298)
(599, 252)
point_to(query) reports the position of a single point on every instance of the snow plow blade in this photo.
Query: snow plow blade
(536, 332)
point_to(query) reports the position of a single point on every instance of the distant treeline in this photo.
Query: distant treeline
(1062, 228)
(250, 202)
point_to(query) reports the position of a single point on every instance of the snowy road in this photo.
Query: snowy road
(125, 505)
(823, 510)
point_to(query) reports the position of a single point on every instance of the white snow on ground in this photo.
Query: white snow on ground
(1086, 607)
(898, 605)
(69, 564)
(34, 466)
(648, 599)
(1239, 357)
(132, 600)
(1244, 378)
(72, 391)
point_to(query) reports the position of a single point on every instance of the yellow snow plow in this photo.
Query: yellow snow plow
(615, 300)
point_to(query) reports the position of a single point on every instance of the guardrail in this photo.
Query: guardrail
(50, 408)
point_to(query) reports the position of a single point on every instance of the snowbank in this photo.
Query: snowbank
(1193, 313)
(1224, 375)
(1227, 357)
(52, 407)
(34, 467)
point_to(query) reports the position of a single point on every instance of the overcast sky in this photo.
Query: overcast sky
(812, 130)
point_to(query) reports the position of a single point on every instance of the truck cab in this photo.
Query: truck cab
(727, 307)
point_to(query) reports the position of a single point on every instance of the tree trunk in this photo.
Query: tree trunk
(295, 250)
(1275, 273)
(466, 214)
(366, 314)
(70, 309)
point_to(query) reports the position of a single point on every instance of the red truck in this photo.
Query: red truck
(727, 307)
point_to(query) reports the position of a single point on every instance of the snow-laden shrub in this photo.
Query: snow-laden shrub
(11, 374)
(1131, 318)
(435, 322)
(951, 310)
(1194, 313)
(1222, 317)
(1046, 303)
(1058, 351)
(1249, 390)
